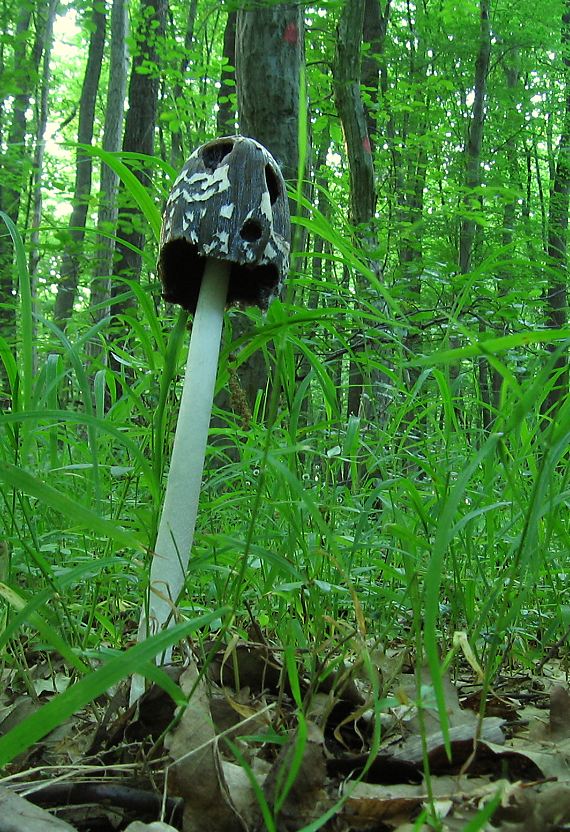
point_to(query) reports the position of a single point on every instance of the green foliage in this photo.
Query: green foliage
(135, 660)
(439, 504)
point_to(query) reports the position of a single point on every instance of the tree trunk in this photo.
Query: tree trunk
(71, 262)
(269, 54)
(226, 115)
(475, 136)
(352, 114)
(16, 164)
(374, 29)
(409, 197)
(177, 156)
(113, 130)
(557, 292)
(38, 164)
(505, 278)
(140, 125)
(354, 119)
(473, 180)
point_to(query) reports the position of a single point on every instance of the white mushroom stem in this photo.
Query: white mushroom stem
(178, 519)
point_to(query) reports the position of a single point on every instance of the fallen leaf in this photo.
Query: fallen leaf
(19, 815)
(463, 740)
(251, 665)
(196, 774)
(542, 808)
(306, 798)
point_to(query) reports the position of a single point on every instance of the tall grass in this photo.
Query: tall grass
(405, 528)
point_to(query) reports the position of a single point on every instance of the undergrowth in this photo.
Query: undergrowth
(405, 528)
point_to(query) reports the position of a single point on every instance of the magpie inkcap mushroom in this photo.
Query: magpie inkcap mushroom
(230, 203)
(225, 239)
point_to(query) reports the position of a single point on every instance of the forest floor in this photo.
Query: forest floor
(259, 747)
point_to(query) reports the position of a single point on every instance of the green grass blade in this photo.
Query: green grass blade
(100, 424)
(434, 575)
(131, 183)
(97, 683)
(491, 346)
(25, 316)
(479, 822)
(75, 575)
(9, 362)
(172, 356)
(76, 360)
(77, 513)
(47, 632)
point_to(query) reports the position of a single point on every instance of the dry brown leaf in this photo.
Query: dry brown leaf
(241, 790)
(246, 665)
(363, 812)
(306, 798)
(23, 707)
(234, 718)
(370, 803)
(543, 759)
(407, 713)
(197, 775)
(537, 809)
(240, 706)
(343, 683)
(462, 739)
(18, 815)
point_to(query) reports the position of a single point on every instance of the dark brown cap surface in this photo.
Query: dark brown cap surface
(229, 203)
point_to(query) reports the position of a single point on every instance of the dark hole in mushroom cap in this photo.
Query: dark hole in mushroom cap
(251, 231)
(214, 154)
(273, 184)
(181, 268)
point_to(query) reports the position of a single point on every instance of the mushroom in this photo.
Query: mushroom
(225, 240)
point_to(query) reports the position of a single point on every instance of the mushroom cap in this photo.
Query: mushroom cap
(230, 203)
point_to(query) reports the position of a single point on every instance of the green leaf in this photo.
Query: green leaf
(494, 345)
(78, 514)
(131, 183)
(25, 316)
(96, 684)
(41, 625)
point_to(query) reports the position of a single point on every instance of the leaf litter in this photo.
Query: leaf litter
(246, 754)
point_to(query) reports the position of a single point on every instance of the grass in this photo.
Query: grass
(407, 528)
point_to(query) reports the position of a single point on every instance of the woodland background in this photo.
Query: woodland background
(390, 442)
